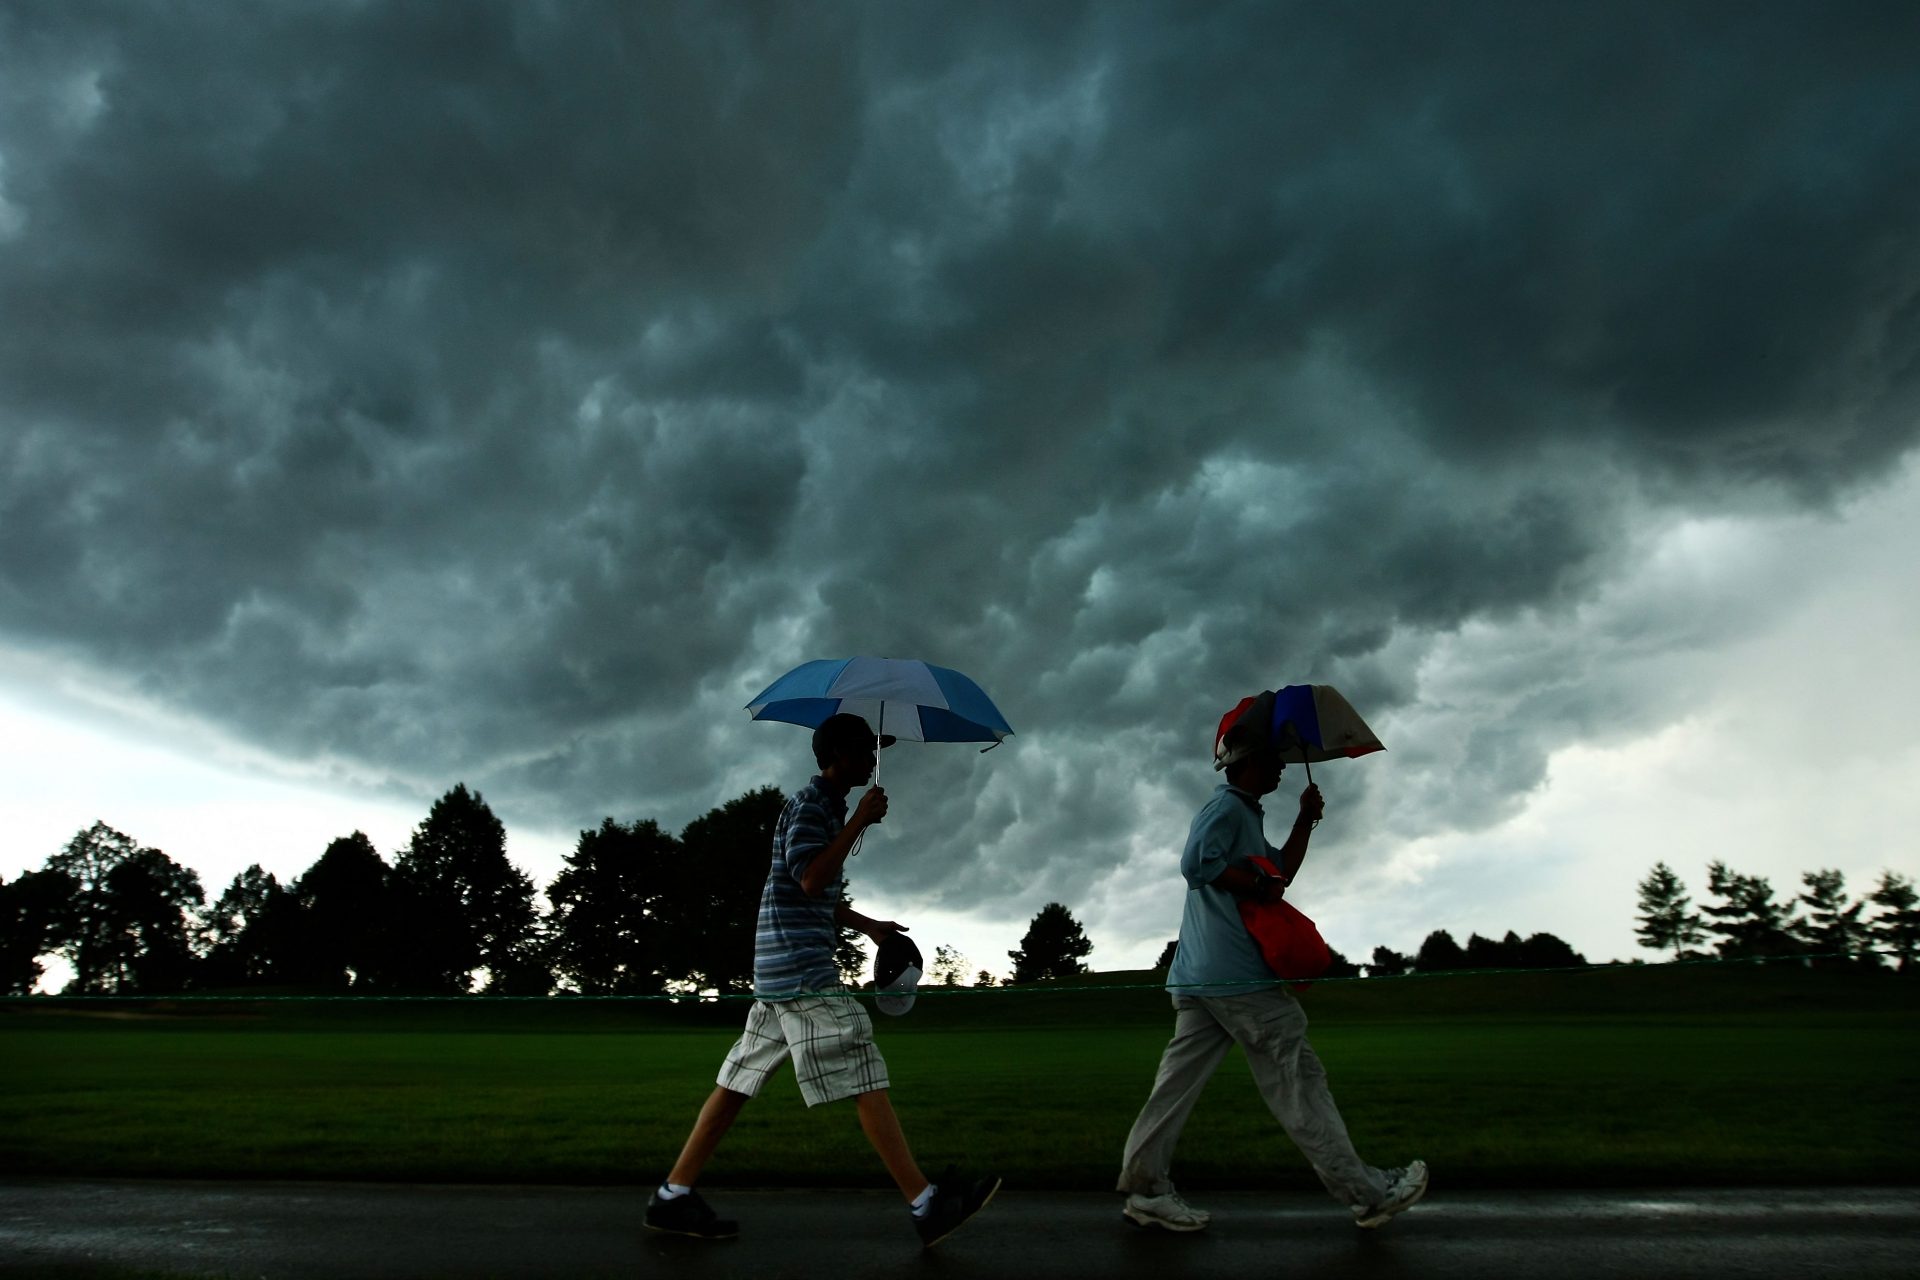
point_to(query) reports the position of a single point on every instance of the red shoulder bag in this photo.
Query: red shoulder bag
(1288, 941)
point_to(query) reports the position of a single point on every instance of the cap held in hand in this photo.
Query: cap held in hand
(897, 969)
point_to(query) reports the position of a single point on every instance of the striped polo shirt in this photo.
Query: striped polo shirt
(793, 942)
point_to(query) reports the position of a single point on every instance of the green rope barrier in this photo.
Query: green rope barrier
(1037, 989)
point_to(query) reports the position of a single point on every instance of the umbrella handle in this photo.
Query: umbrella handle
(1294, 733)
(1308, 764)
(862, 837)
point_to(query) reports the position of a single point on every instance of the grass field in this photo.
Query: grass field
(1612, 1077)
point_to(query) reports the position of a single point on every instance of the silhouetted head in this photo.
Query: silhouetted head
(1246, 728)
(847, 740)
(1258, 771)
(1244, 746)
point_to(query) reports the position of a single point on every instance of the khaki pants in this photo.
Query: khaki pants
(1271, 1028)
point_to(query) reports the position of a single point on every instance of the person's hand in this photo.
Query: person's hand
(881, 928)
(1268, 889)
(1313, 805)
(872, 807)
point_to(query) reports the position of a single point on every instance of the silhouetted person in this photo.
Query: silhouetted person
(1224, 994)
(802, 1011)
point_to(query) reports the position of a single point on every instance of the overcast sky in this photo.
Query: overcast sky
(393, 396)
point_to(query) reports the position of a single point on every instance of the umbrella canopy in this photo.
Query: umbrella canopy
(1307, 722)
(902, 697)
(1312, 722)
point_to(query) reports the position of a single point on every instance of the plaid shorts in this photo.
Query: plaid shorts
(830, 1039)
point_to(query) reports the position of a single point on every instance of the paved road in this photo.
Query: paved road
(71, 1228)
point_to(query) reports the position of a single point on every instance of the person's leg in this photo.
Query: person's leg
(1272, 1028)
(755, 1056)
(882, 1127)
(834, 1057)
(717, 1115)
(1198, 1044)
(676, 1208)
(938, 1210)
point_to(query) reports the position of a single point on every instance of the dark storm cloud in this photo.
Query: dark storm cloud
(506, 392)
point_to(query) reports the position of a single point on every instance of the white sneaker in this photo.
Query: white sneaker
(1168, 1212)
(1404, 1189)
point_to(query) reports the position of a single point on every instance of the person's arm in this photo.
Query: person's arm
(1209, 857)
(1313, 806)
(823, 868)
(846, 917)
(1244, 880)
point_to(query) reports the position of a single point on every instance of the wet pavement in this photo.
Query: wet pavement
(116, 1229)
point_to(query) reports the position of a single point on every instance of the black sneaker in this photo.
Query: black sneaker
(955, 1199)
(688, 1215)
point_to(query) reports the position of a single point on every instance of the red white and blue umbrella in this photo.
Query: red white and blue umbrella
(905, 698)
(1308, 723)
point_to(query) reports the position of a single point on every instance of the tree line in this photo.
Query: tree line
(1441, 953)
(638, 910)
(635, 910)
(1746, 921)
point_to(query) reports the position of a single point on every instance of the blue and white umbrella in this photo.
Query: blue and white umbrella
(910, 700)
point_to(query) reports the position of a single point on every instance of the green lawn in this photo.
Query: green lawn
(1621, 1077)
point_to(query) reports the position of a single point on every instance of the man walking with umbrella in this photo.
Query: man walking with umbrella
(1224, 994)
(801, 1010)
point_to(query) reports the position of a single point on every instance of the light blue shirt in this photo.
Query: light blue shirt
(1216, 955)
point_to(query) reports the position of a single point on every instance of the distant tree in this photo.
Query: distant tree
(86, 937)
(607, 934)
(724, 860)
(1544, 951)
(849, 945)
(1895, 926)
(985, 979)
(850, 956)
(525, 971)
(949, 967)
(1388, 963)
(347, 925)
(1165, 962)
(1541, 951)
(129, 925)
(468, 907)
(1338, 966)
(33, 914)
(1667, 920)
(1055, 946)
(1750, 923)
(1439, 953)
(1485, 953)
(251, 930)
(150, 902)
(1832, 927)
